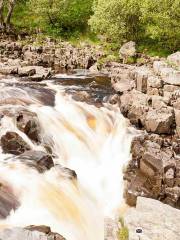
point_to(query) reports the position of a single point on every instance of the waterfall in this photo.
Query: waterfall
(95, 142)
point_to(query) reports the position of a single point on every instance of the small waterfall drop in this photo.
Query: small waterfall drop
(95, 142)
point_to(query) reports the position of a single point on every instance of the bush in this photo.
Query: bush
(63, 16)
(118, 20)
(149, 21)
(162, 21)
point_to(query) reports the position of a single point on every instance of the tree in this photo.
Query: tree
(162, 21)
(6, 11)
(117, 19)
(64, 15)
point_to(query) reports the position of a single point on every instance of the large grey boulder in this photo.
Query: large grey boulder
(160, 121)
(128, 50)
(158, 221)
(174, 59)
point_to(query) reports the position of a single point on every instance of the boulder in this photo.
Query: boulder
(38, 160)
(168, 90)
(172, 78)
(26, 71)
(158, 66)
(160, 121)
(27, 122)
(6, 70)
(157, 220)
(12, 143)
(135, 106)
(128, 50)
(29, 233)
(154, 82)
(174, 59)
(141, 76)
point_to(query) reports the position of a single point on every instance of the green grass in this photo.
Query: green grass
(123, 233)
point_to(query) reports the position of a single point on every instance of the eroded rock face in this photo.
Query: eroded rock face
(37, 159)
(12, 143)
(160, 121)
(157, 220)
(27, 122)
(30, 233)
(153, 170)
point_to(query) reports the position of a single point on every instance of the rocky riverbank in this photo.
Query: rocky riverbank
(149, 96)
(37, 62)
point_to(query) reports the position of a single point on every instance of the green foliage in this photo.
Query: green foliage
(162, 21)
(154, 25)
(62, 16)
(123, 233)
(118, 19)
(125, 20)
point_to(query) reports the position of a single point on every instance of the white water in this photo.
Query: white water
(95, 142)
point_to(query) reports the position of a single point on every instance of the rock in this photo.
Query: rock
(29, 233)
(134, 105)
(12, 143)
(160, 121)
(8, 201)
(42, 228)
(141, 76)
(172, 78)
(151, 163)
(128, 50)
(177, 119)
(94, 69)
(159, 102)
(158, 66)
(168, 90)
(157, 220)
(41, 74)
(14, 62)
(111, 228)
(154, 82)
(153, 170)
(37, 159)
(32, 130)
(27, 122)
(6, 70)
(136, 188)
(174, 59)
(169, 177)
(64, 172)
(26, 71)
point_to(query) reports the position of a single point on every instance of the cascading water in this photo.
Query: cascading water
(95, 142)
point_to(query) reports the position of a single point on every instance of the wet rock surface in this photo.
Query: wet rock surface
(38, 160)
(30, 233)
(12, 143)
(8, 201)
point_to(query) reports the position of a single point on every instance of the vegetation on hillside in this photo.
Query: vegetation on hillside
(152, 24)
